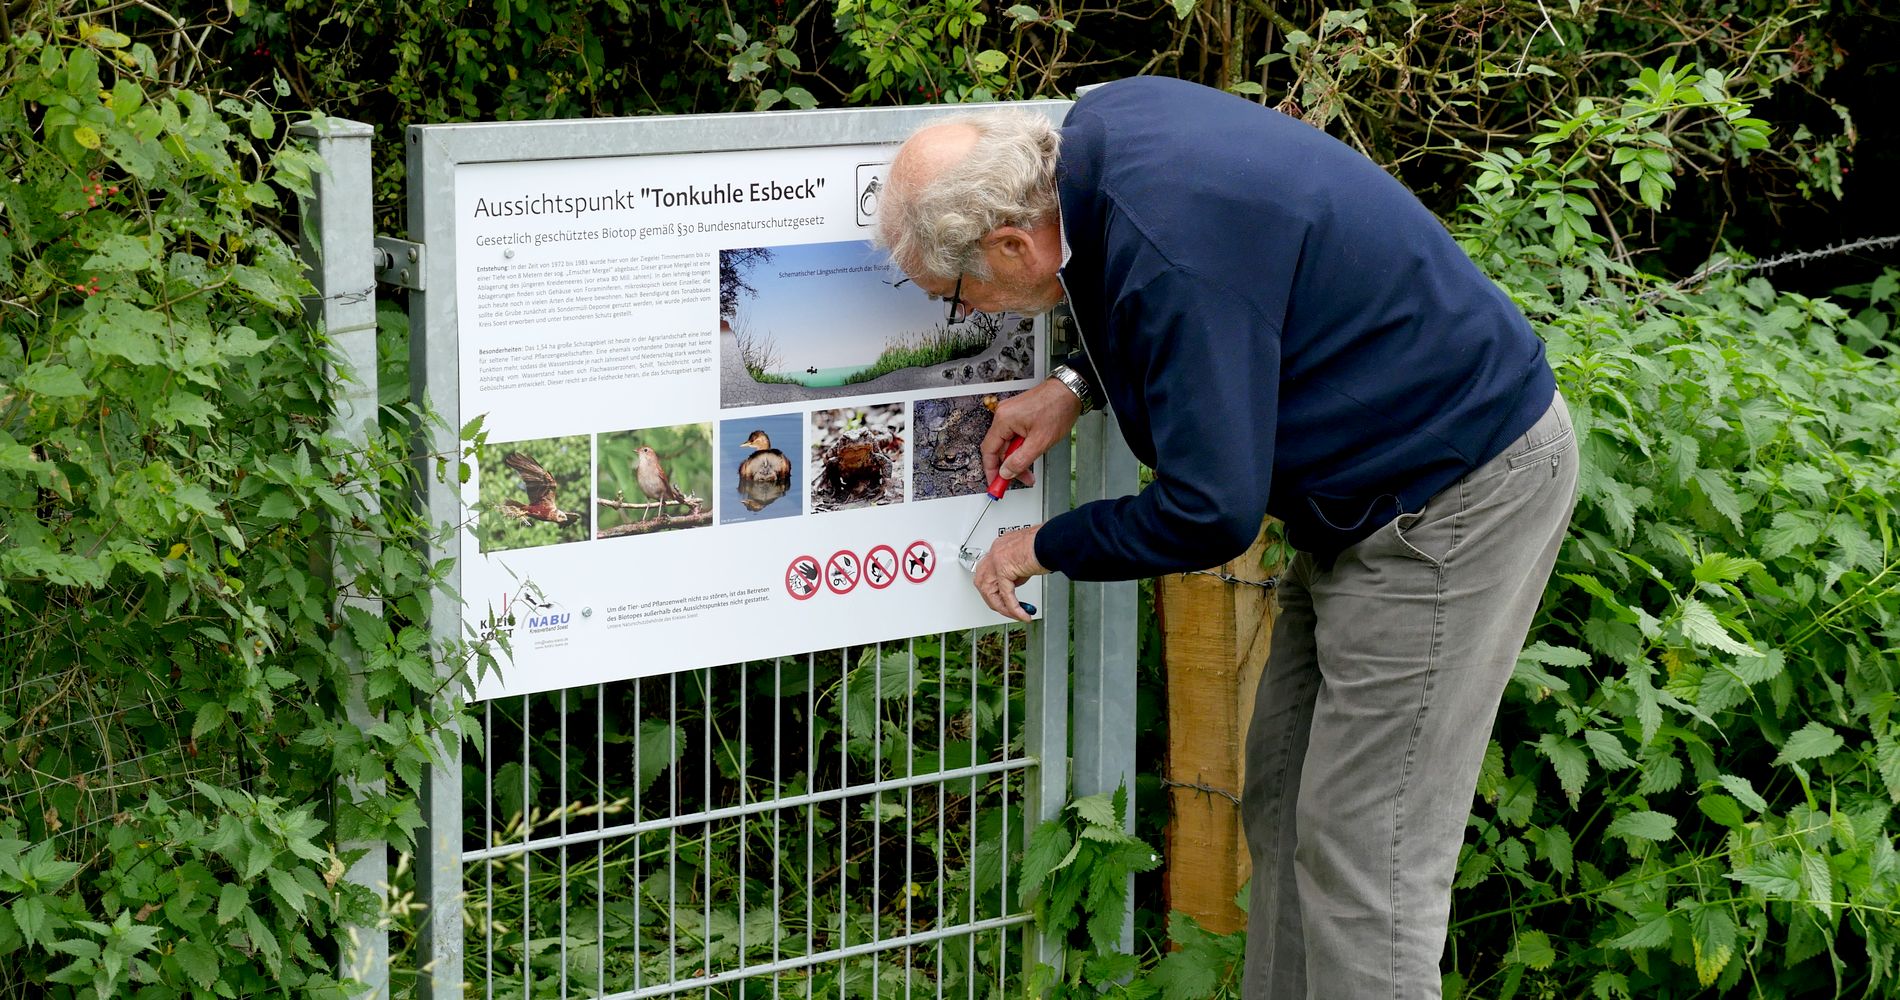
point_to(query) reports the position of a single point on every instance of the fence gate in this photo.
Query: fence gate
(764, 823)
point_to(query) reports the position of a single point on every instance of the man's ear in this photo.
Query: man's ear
(1010, 241)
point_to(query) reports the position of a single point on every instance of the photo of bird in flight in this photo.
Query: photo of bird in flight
(540, 488)
(533, 492)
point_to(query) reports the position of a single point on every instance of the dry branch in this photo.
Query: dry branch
(644, 527)
(691, 501)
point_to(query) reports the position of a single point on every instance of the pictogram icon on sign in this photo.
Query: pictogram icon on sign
(870, 184)
(801, 577)
(880, 567)
(920, 560)
(841, 571)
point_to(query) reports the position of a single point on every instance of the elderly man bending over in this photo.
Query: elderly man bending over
(1278, 327)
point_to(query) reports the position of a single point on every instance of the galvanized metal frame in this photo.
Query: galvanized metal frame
(1105, 650)
(336, 227)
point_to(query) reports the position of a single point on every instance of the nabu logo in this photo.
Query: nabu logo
(541, 623)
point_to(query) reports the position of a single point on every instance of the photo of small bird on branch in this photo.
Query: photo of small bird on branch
(656, 479)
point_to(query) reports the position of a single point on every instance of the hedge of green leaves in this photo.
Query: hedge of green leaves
(1691, 786)
(173, 662)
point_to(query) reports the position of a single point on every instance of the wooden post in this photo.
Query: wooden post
(1215, 636)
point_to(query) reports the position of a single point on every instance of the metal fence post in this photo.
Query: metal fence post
(1105, 631)
(337, 236)
(1046, 693)
(434, 380)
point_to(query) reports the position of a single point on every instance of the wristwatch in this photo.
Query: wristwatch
(1074, 382)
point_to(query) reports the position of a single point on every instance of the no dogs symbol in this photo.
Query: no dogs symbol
(920, 560)
(801, 577)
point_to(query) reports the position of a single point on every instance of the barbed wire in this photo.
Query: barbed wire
(1796, 257)
(1167, 782)
(1655, 295)
(1267, 584)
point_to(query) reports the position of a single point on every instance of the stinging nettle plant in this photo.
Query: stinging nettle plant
(1695, 768)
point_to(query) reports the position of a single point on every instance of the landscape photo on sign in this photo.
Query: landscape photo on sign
(532, 493)
(820, 320)
(857, 457)
(655, 479)
(761, 468)
(947, 456)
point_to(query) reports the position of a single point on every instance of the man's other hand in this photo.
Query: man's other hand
(1008, 564)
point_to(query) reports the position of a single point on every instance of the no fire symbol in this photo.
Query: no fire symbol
(920, 560)
(801, 577)
(841, 573)
(880, 567)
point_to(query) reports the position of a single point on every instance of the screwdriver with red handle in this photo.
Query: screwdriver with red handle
(998, 485)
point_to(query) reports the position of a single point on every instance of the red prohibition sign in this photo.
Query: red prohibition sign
(880, 567)
(841, 571)
(920, 560)
(801, 578)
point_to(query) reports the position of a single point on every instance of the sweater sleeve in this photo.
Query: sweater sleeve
(1206, 369)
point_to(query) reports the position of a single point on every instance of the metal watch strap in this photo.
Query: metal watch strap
(1074, 382)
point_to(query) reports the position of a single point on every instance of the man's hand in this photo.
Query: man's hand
(1041, 417)
(1007, 565)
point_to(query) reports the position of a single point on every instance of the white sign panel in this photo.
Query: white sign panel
(719, 424)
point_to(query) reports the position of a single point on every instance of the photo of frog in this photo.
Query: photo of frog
(857, 457)
(949, 438)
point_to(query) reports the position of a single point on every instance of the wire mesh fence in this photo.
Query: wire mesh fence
(837, 824)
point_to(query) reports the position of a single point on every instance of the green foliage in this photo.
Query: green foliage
(1542, 203)
(1696, 765)
(179, 526)
(1074, 882)
(1693, 777)
(1419, 87)
(1691, 785)
(927, 50)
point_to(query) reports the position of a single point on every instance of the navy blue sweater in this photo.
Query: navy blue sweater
(1278, 326)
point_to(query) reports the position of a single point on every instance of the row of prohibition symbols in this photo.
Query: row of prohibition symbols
(878, 568)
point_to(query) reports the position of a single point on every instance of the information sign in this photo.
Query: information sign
(696, 376)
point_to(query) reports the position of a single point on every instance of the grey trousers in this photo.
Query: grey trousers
(1372, 718)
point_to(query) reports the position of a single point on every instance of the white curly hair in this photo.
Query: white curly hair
(933, 222)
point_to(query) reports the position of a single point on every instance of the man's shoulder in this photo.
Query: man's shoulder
(1144, 88)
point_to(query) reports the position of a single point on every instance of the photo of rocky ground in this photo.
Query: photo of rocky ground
(947, 445)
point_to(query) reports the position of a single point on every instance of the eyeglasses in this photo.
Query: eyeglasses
(955, 300)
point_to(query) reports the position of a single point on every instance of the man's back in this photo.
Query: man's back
(1397, 366)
